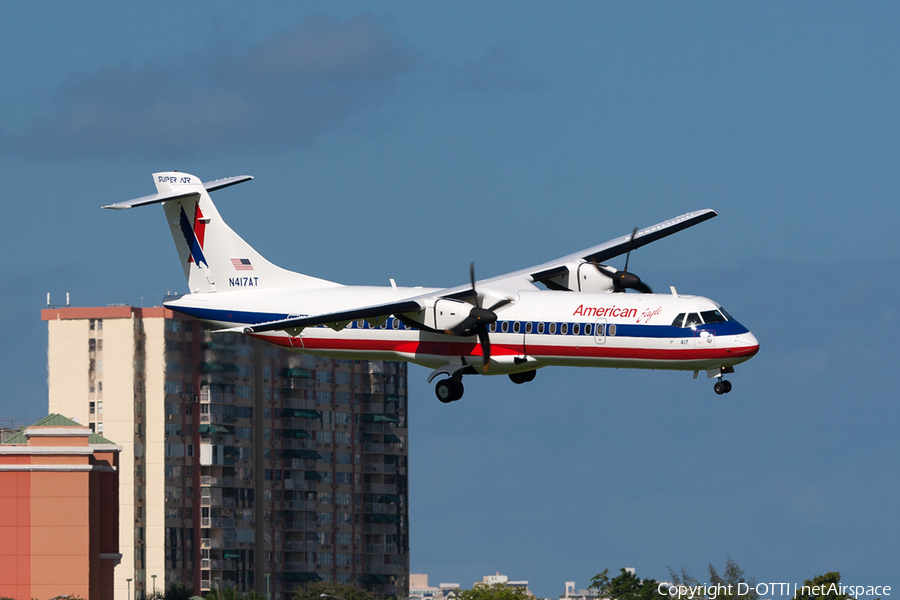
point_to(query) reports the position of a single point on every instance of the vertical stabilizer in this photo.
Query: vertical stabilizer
(213, 256)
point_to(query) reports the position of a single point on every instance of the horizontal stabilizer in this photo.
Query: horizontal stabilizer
(176, 194)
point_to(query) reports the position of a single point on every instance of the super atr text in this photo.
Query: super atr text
(770, 589)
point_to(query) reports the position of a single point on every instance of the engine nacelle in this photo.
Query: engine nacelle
(450, 313)
(583, 277)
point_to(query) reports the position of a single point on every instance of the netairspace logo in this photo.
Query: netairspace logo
(710, 592)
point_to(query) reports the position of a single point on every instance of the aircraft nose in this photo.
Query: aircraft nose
(747, 345)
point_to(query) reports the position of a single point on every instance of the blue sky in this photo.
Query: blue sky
(405, 140)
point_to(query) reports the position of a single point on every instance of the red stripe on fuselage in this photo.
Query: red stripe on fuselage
(463, 348)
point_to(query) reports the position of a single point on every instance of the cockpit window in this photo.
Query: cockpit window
(692, 319)
(725, 312)
(679, 321)
(713, 316)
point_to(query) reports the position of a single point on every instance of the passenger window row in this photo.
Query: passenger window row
(528, 327)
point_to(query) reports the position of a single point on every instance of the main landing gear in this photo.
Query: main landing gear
(524, 377)
(449, 390)
(722, 387)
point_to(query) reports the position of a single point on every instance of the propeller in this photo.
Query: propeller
(623, 280)
(478, 320)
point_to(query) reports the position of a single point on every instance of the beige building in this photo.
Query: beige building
(243, 464)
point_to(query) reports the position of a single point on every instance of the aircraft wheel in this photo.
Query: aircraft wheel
(721, 387)
(727, 386)
(444, 391)
(448, 390)
(523, 377)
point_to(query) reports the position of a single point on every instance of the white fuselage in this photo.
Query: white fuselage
(538, 329)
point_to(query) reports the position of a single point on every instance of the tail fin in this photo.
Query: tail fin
(214, 257)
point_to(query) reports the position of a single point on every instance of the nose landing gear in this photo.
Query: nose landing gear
(722, 387)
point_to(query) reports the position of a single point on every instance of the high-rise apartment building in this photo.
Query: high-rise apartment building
(244, 464)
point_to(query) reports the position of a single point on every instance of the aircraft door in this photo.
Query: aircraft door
(600, 331)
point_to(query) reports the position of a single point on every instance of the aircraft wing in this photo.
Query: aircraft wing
(336, 318)
(503, 286)
(611, 249)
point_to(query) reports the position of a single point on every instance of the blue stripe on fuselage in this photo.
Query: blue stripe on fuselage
(668, 331)
(622, 329)
(228, 316)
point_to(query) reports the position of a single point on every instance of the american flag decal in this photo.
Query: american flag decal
(241, 264)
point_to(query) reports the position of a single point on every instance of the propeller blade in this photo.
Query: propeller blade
(472, 279)
(502, 302)
(485, 340)
(630, 244)
(642, 288)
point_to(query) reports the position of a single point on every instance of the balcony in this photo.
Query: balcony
(387, 509)
(291, 546)
(372, 387)
(217, 481)
(377, 428)
(310, 505)
(380, 488)
(299, 484)
(301, 423)
(300, 567)
(297, 384)
(217, 419)
(213, 395)
(379, 549)
(300, 525)
(207, 522)
(220, 584)
(299, 403)
(216, 544)
(386, 468)
(223, 502)
(381, 569)
(217, 565)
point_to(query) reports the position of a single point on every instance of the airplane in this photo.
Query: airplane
(503, 325)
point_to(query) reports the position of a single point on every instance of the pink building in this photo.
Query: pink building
(59, 512)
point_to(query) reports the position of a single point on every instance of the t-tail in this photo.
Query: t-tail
(214, 257)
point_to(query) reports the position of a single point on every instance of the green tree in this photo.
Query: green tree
(229, 593)
(176, 592)
(495, 591)
(624, 586)
(314, 590)
(731, 577)
(828, 584)
(179, 592)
